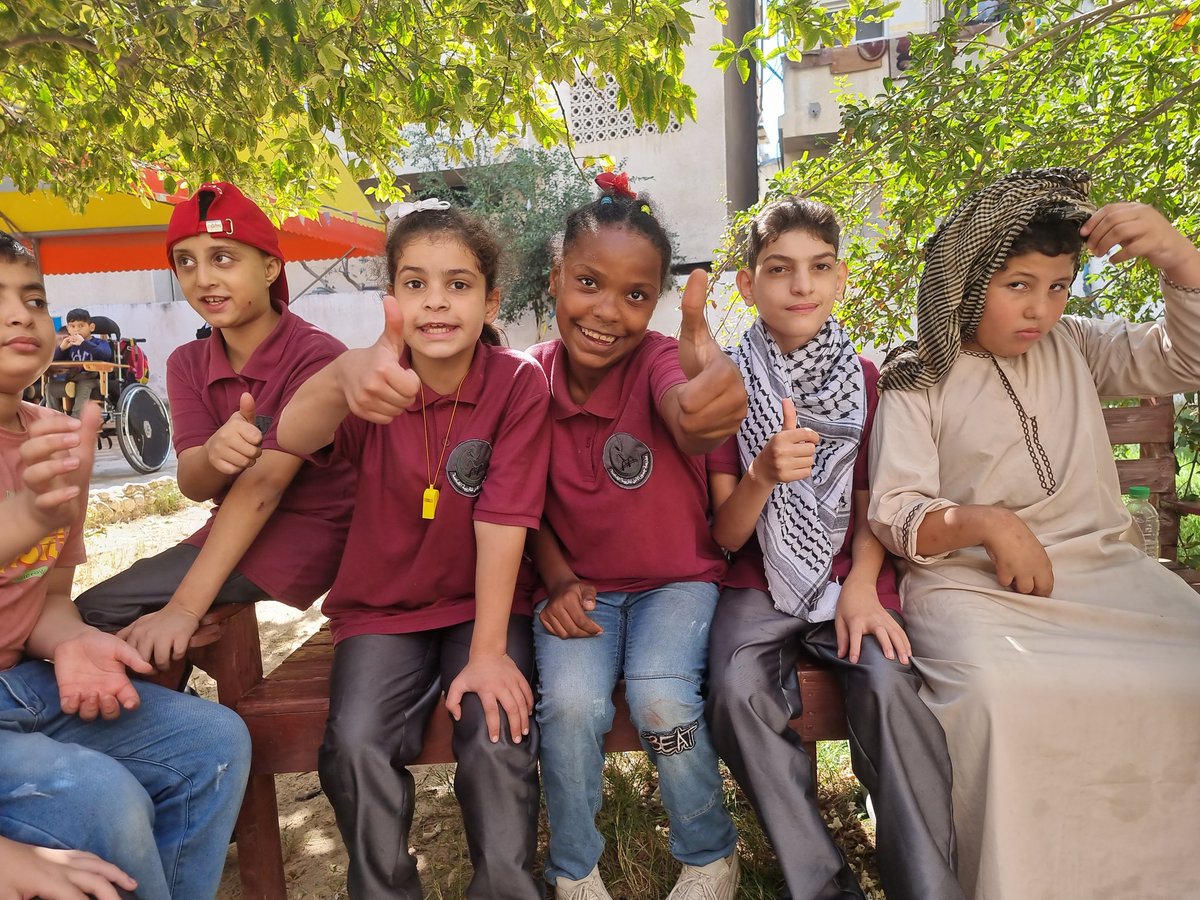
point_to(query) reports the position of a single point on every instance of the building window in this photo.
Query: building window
(595, 116)
(989, 11)
(869, 31)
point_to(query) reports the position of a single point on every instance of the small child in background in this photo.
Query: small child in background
(811, 580)
(629, 569)
(449, 432)
(78, 346)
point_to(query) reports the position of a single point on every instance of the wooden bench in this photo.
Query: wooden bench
(286, 711)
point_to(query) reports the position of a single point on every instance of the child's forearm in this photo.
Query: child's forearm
(498, 550)
(734, 520)
(866, 551)
(311, 417)
(59, 619)
(549, 559)
(197, 478)
(22, 530)
(957, 527)
(251, 501)
(1186, 273)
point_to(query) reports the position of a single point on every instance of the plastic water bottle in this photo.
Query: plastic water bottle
(1145, 517)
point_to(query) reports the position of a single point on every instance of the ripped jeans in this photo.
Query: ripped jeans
(155, 791)
(657, 639)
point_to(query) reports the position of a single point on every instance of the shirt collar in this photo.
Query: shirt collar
(473, 381)
(264, 362)
(605, 401)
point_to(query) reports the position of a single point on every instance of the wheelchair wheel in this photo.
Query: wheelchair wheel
(143, 428)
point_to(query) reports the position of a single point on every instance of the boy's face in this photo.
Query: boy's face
(81, 327)
(1024, 300)
(224, 280)
(26, 330)
(794, 284)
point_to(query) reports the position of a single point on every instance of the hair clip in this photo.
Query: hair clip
(615, 183)
(645, 207)
(398, 211)
(605, 200)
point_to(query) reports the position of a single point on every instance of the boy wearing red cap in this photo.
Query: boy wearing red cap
(279, 525)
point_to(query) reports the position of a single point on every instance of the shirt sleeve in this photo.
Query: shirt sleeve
(862, 479)
(1144, 359)
(725, 459)
(515, 488)
(192, 422)
(904, 473)
(664, 368)
(100, 349)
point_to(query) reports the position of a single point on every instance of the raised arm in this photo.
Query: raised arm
(710, 407)
(369, 382)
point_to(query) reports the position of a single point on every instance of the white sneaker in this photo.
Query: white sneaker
(590, 887)
(716, 881)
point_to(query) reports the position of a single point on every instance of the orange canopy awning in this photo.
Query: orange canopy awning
(119, 232)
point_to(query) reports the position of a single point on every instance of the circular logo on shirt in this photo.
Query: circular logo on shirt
(627, 460)
(467, 466)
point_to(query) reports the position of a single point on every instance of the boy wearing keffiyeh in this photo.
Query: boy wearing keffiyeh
(810, 579)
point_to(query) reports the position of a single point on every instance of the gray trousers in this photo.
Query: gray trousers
(382, 690)
(85, 389)
(148, 585)
(897, 748)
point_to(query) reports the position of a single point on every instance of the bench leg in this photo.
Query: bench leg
(810, 747)
(260, 853)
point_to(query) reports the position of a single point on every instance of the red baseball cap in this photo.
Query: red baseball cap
(219, 208)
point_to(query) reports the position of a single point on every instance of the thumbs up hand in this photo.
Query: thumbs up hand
(713, 402)
(235, 446)
(375, 386)
(789, 455)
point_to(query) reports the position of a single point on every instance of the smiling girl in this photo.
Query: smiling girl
(447, 430)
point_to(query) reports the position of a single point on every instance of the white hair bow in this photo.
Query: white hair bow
(398, 211)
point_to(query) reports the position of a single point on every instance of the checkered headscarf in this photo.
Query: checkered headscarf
(967, 249)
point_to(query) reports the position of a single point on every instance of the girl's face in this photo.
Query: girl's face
(1024, 300)
(444, 297)
(605, 288)
(26, 331)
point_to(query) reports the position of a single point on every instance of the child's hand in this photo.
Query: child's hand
(235, 446)
(789, 455)
(57, 457)
(90, 670)
(713, 402)
(1021, 561)
(1138, 230)
(499, 683)
(161, 637)
(28, 871)
(566, 613)
(860, 613)
(376, 387)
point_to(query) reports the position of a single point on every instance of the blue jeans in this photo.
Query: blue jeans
(155, 791)
(659, 640)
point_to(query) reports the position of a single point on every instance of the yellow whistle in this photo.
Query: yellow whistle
(429, 502)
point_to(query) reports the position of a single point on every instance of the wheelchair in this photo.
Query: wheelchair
(130, 411)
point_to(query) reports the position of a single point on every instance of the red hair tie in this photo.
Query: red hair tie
(615, 183)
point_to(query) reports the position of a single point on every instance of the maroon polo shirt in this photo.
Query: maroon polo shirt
(629, 508)
(747, 569)
(295, 555)
(402, 573)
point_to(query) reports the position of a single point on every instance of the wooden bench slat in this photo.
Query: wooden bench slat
(1156, 474)
(1141, 424)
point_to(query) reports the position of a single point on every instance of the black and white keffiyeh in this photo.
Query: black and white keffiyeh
(804, 522)
(961, 257)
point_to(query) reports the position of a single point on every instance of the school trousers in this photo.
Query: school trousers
(897, 748)
(382, 690)
(149, 584)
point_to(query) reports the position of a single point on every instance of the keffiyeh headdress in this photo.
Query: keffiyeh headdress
(967, 249)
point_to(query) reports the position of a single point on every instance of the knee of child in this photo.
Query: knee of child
(664, 703)
(574, 701)
(101, 793)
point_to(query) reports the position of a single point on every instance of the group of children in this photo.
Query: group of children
(521, 530)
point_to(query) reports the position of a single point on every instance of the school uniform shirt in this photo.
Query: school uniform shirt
(402, 573)
(629, 508)
(746, 570)
(23, 580)
(295, 556)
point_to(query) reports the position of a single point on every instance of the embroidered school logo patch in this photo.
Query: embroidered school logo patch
(467, 466)
(627, 460)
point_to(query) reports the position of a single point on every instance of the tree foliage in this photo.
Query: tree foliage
(525, 195)
(1114, 88)
(262, 92)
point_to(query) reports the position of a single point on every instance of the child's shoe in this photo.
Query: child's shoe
(590, 887)
(716, 881)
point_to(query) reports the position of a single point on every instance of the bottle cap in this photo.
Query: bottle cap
(1140, 491)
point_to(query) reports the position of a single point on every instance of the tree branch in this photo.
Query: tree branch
(49, 37)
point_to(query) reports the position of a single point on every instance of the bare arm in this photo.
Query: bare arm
(568, 599)
(490, 672)
(163, 636)
(311, 417)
